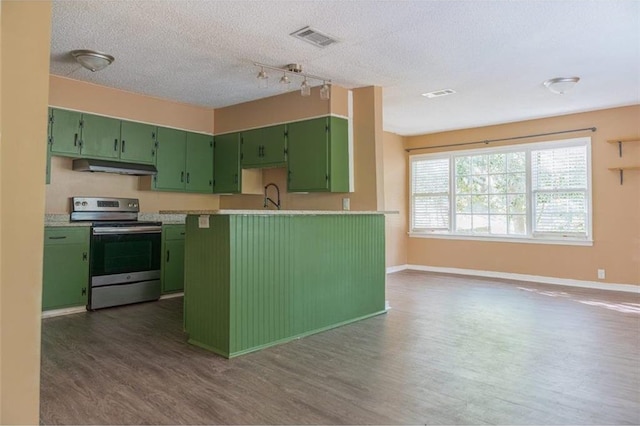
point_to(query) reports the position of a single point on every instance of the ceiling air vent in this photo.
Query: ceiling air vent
(314, 37)
(438, 93)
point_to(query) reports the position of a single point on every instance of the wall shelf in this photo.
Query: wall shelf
(622, 169)
(620, 142)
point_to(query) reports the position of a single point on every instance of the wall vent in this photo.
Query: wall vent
(313, 36)
(438, 93)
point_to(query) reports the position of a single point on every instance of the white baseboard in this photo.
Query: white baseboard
(64, 311)
(171, 295)
(629, 288)
(398, 268)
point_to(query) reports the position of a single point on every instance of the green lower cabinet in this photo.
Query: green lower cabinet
(65, 275)
(173, 261)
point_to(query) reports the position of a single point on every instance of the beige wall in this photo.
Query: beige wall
(395, 198)
(616, 208)
(87, 97)
(282, 108)
(25, 28)
(367, 141)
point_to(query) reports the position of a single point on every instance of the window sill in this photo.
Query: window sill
(566, 242)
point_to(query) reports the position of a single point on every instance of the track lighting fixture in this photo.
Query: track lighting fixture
(285, 81)
(263, 79)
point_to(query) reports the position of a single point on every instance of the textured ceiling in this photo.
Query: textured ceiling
(495, 54)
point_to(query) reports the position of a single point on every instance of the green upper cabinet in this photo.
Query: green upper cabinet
(64, 132)
(170, 159)
(199, 163)
(226, 164)
(138, 142)
(318, 155)
(184, 161)
(65, 274)
(265, 147)
(76, 134)
(100, 137)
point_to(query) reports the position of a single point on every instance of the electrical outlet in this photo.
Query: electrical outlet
(346, 204)
(601, 274)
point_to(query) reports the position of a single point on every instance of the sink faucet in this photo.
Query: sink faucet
(268, 200)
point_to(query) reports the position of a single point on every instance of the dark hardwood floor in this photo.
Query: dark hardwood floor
(452, 350)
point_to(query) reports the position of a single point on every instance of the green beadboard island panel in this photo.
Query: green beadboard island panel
(280, 277)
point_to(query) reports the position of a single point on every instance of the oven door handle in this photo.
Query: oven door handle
(115, 230)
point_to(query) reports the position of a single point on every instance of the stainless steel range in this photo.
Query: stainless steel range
(125, 252)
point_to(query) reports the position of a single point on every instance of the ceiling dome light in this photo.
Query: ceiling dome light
(561, 85)
(92, 60)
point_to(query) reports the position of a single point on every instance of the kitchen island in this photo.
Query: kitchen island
(256, 278)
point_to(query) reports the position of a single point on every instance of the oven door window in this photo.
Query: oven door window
(116, 254)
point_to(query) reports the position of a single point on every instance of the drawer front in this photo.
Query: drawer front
(66, 235)
(173, 232)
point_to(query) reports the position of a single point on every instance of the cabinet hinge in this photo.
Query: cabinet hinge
(84, 291)
(211, 144)
(155, 144)
(50, 140)
(51, 118)
(81, 124)
(286, 151)
(326, 128)
(214, 144)
(214, 183)
(326, 177)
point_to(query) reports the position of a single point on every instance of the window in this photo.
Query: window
(526, 192)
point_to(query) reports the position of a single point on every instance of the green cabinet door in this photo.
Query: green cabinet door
(308, 155)
(170, 159)
(137, 142)
(100, 137)
(226, 164)
(273, 147)
(264, 147)
(173, 266)
(251, 142)
(199, 165)
(64, 132)
(65, 275)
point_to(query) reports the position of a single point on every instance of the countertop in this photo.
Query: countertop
(274, 212)
(166, 219)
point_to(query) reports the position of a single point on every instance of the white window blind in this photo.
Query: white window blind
(430, 194)
(525, 192)
(559, 185)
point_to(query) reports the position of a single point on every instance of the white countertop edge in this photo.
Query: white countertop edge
(275, 212)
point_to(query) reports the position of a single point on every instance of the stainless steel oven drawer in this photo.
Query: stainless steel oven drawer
(122, 294)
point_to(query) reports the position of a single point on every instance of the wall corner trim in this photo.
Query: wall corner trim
(629, 288)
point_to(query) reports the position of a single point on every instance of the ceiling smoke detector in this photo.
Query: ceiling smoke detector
(313, 36)
(438, 93)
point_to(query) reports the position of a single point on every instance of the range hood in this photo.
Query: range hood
(92, 165)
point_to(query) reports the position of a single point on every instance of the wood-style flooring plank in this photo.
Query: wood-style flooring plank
(452, 350)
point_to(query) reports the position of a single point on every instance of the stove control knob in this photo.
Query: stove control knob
(130, 205)
(84, 203)
(77, 203)
(135, 205)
